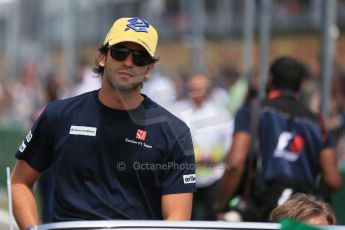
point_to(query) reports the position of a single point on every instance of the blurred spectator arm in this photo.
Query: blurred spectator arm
(234, 167)
(330, 172)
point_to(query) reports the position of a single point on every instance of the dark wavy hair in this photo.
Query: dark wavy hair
(103, 49)
(287, 73)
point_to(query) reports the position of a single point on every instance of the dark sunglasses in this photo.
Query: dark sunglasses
(140, 57)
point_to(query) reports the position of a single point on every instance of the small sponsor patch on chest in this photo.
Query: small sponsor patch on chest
(83, 130)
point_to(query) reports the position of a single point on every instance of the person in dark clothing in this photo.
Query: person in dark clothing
(116, 154)
(295, 148)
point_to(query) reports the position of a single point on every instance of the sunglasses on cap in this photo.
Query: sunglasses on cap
(140, 57)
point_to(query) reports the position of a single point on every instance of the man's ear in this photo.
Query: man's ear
(102, 58)
(149, 71)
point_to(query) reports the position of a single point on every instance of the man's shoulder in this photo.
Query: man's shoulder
(290, 107)
(59, 106)
(244, 110)
(162, 114)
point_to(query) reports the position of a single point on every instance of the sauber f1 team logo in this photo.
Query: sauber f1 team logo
(141, 134)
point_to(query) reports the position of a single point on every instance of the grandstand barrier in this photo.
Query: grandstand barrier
(190, 225)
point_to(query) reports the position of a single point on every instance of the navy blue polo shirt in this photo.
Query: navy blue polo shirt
(110, 164)
(290, 139)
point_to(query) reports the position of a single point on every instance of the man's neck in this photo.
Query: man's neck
(121, 100)
(282, 93)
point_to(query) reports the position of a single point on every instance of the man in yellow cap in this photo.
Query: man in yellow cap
(115, 153)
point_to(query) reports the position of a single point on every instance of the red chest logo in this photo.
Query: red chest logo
(141, 134)
(297, 144)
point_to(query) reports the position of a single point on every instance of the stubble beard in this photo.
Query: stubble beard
(125, 86)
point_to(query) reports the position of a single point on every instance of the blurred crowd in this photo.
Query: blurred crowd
(228, 89)
(207, 102)
(24, 97)
(216, 90)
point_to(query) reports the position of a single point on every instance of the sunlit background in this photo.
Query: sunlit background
(41, 40)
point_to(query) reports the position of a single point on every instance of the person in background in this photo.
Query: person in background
(161, 89)
(86, 80)
(305, 207)
(235, 85)
(294, 147)
(115, 153)
(211, 126)
(6, 108)
(27, 95)
(54, 86)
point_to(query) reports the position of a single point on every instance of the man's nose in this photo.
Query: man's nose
(129, 60)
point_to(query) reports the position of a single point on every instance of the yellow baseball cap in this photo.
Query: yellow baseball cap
(135, 30)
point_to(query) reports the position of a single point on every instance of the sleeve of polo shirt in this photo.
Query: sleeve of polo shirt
(329, 141)
(242, 119)
(37, 147)
(180, 175)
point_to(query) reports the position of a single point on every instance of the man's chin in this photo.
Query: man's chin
(126, 87)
